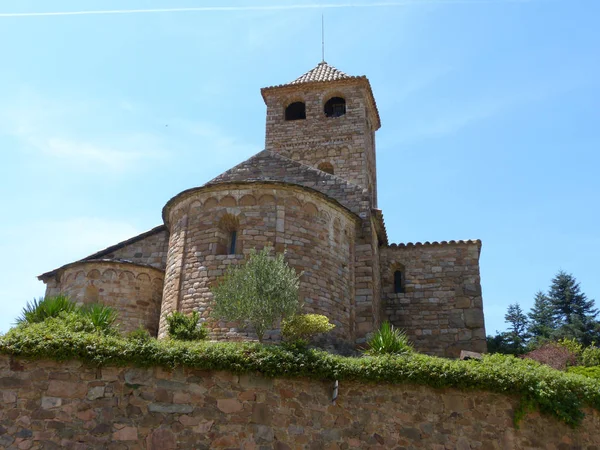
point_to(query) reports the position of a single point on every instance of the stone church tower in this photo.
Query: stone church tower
(312, 193)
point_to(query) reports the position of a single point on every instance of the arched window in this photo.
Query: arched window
(232, 242)
(227, 236)
(335, 107)
(326, 167)
(398, 282)
(295, 111)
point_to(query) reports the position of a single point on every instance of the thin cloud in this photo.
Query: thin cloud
(268, 8)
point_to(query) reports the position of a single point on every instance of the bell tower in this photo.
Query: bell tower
(326, 119)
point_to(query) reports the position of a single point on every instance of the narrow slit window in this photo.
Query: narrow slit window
(398, 282)
(232, 242)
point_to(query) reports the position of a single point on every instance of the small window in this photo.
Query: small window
(227, 236)
(326, 167)
(398, 282)
(295, 111)
(232, 242)
(335, 107)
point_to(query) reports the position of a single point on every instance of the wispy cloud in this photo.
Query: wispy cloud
(437, 121)
(269, 7)
(67, 131)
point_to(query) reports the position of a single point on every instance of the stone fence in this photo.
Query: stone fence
(51, 405)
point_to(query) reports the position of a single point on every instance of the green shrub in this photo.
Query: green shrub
(139, 334)
(591, 356)
(185, 327)
(257, 293)
(591, 372)
(572, 345)
(102, 317)
(388, 340)
(44, 308)
(301, 327)
(552, 392)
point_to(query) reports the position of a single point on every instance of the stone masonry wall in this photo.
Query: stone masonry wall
(441, 308)
(151, 250)
(345, 142)
(317, 237)
(134, 291)
(50, 405)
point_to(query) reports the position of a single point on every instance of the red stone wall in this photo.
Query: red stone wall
(134, 291)
(346, 141)
(441, 308)
(51, 405)
(316, 235)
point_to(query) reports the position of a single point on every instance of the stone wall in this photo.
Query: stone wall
(151, 250)
(346, 142)
(441, 308)
(51, 405)
(316, 235)
(135, 291)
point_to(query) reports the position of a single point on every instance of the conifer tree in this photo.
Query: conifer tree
(517, 331)
(574, 314)
(541, 318)
(568, 301)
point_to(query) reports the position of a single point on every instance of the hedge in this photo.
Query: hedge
(560, 394)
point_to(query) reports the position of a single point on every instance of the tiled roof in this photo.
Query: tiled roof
(99, 255)
(267, 166)
(418, 244)
(323, 72)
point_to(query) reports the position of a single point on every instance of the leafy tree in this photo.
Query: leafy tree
(259, 292)
(517, 333)
(541, 318)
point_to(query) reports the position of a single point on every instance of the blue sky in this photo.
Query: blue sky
(490, 124)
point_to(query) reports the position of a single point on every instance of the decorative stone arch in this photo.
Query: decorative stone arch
(228, 202)
(210, 202)
(326, 167)
(247, 200)
(267, 199)
(310, 209)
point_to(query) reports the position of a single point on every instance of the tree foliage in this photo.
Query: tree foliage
(541, 318)
(258, 293)
(564, 312)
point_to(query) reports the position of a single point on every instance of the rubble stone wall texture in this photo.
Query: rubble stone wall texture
(441, 308)
(151, 250)
(51, 405)
(134, 291)
(316, 235)
(345, 142)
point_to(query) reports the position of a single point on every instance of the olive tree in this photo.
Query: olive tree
(257, 293)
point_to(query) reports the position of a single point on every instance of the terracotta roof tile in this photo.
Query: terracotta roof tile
(323, 72)
(418, 244)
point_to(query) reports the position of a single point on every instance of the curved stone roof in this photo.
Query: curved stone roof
(272, 166)
(267, 166)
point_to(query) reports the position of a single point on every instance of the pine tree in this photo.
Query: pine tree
(574, 314)
(541, 318)
(517, 331)
(568, 301)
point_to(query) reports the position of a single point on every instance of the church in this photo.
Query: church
(311, 193)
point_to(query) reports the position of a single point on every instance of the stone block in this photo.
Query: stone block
(474, 318)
